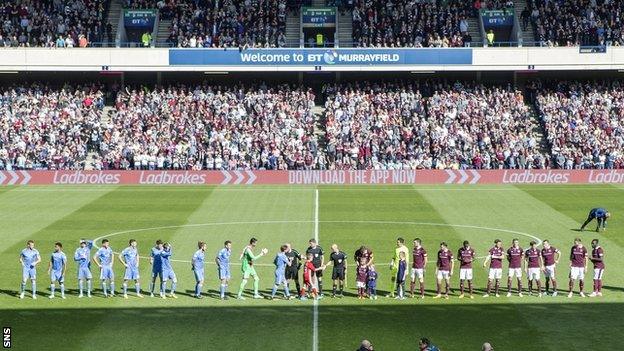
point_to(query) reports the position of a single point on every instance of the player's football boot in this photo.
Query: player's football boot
(554, 294)
(21, 296)
(508, 294)
(582, 294)
(461, 296)
(51, 296)
(570, 295)
(593, 294)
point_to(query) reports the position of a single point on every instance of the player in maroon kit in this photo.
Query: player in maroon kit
(465, 255)
(495, 257)
(550, 258)
(446, 264)
(514, 256)
(597, 258)
(419, 261)
(578, 266)
(533, 267)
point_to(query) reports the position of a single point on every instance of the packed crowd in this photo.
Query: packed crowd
(576, 22)
(378, 126)
(391, 126)
(45, 128)
(211, 127)
(473, 126)
(399, 125)
(395, 23)
(226, 23)
(53, 23)
(584, 124)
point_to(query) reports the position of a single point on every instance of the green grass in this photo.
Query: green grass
(348, 216)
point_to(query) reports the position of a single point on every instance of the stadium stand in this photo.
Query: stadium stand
(378, 126)
(577, 22)
(46, 128)
(473, 126)
(211, 127)
(229, 23)
(365, 125)
(47, 23)
(381, 23)
(584, 124)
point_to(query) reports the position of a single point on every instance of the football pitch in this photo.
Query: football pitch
(348, 216)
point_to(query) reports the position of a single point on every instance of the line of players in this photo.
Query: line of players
(288, 261)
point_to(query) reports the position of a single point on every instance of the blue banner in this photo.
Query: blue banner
(319, 57)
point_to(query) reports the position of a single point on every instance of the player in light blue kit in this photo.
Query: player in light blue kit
(56, 269)
(223, 267)
(83, 257)
(129, 257)
(104, 258)
(29, 258)
(281, 261)
(197, 265)
(168, 273)
(157, 269)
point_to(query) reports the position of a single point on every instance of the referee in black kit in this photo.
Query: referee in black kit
(317, 260)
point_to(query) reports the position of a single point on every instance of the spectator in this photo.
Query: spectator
(425, 345)
(146, 39)
(365, 346)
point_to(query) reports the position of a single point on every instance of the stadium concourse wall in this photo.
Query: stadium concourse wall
(306, 60)
(339, 177)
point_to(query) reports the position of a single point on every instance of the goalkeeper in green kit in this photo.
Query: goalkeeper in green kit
(248, 269)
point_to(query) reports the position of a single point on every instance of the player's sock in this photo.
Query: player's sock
(138, 288)
(341, 288)
(509, 285)
(547, 284)
(470, 286)
(554, 285)
(104, 288)
(320, 286)
(461, 286)
(519, 286)
(373, 291)
(34, 288)
(448, 287)
(62, 289)
(334, 289)
(80, 286)
(297, 285)
(112, 288)
(242, 287)
(88, 286)
(173, 287)
(196, 289)
(595, 285)
(571, 285)
(23, 287)
(539, 286)
(581, 285)
(286, 291)
(599, 285)
(438, 287)
(125, 288)
(530, 282)
(256, 283)
(222, 290)
(422, 289)
(497, 286)
(412, 286)
(163, 288)
(273, 291)
(51, 289)
(489, 287)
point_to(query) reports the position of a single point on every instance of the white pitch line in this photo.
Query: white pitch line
(315, 316)
(316, 226)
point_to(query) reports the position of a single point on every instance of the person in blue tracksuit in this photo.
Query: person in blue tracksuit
(601, 215)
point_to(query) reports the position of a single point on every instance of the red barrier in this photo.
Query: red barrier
(313, 177)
